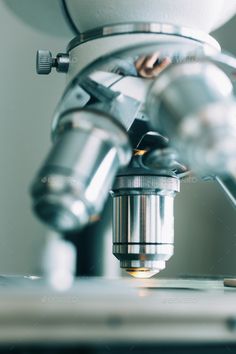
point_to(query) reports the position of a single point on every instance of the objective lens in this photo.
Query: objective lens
(143, 223)
(71, 188)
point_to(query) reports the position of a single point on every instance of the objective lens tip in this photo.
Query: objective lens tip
(142, 273)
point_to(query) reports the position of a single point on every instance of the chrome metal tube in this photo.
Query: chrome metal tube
(73, 185)
(143, 222)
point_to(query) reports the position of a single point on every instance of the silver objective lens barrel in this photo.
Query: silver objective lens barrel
(74, 182)
(143, 222)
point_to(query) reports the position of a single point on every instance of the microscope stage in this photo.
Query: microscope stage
(97, 311)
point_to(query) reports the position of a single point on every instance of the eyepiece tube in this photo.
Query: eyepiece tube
(143, 223)
(72, 186)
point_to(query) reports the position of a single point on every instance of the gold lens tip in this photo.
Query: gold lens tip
(142, 273)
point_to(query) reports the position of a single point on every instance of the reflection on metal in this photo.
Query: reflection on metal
(134, 121)
(193, 104)
(72, 187)
(151, 28)
(143, 222)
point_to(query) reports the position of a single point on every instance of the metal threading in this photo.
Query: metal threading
(143, 222)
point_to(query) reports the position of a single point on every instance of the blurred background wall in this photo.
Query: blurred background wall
(205, 220)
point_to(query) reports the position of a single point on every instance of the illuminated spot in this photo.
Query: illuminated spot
(142, 273)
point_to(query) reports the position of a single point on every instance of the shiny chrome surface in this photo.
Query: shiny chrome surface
(149, 182)
(175, 80)
(143, 218)
(73, 184)
(152, 28)
(143, 222)
(193, 104)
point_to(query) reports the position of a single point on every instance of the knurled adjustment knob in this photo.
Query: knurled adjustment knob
(44, 62)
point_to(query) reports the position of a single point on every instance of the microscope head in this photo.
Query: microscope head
(82, 15)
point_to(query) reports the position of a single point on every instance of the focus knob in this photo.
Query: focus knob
(44, 62)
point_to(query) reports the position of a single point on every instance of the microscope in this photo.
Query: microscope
(149, 101)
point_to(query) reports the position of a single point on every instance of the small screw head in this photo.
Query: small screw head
(44, 62)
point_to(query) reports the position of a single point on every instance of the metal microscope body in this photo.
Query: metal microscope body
(124, 126)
